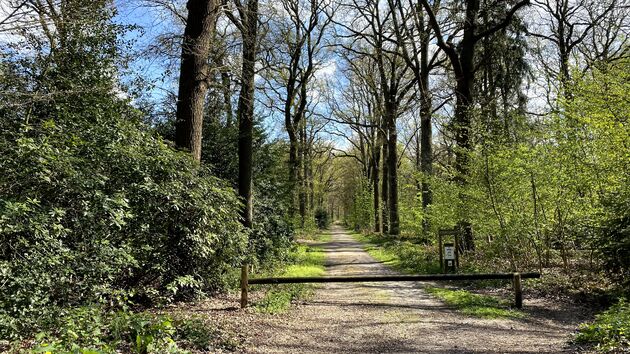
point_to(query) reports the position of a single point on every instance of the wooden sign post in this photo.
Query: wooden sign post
(449, 254)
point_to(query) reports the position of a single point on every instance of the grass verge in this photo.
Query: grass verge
(403, 256)
(477, 305)
(308, 262)
(610, 332)
(407, 257)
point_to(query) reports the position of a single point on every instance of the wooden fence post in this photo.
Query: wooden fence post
(518, 290)
(244, 285)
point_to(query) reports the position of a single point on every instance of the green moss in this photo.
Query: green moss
(476, 305)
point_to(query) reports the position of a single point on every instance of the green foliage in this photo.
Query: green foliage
(94, 207)
(195, 333)
(361, 213)
(610, 331)
(322, 218)
(272, 234)
(475, 304)
(93, 329)
(307, 261)
(118, 211)
(614, 245)
(551, 195)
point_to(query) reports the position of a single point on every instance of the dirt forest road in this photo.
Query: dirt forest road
(399, 318)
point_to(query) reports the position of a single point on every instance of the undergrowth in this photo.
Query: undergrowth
(308, 261)
(610, 331)
(96, 330)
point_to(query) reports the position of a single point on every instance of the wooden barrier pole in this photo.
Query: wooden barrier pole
(518, 291)
(392, 277)
(244, 285)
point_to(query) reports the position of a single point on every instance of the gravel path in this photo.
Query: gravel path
(399, 318)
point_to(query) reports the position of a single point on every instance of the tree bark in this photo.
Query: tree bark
(392, 162)
(249, 34)
(426, 131)
(384, 183)
(193, 77)
(375, 186)
(302, 174)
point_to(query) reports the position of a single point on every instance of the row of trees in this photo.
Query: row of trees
(502, 83)
(492, 78)
(507, 119)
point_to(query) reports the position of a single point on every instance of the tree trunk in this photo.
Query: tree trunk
(392, 162)
(246, 111)
(375, 187)
(384, 185)
(426, 133)
(462, 126)
(302, 174)
(294, 167)
(227, 99)
(193, 77)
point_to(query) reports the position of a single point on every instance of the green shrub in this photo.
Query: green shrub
(321, 218)
(98, 211)
(92, 329)
(95, 207)
(610, 331)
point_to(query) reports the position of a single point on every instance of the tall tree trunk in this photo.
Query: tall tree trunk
(462, 60)
(375, 186)
(392, 170)
(294, 167)
(302, 174)
(193, 77)
(462, 138)
(426, 132)
(246, 110)
(384, 183)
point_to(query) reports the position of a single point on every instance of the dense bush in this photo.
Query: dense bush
(94, 329)
(272, 232)
(93, 206)
(322, 218)
(614, 243)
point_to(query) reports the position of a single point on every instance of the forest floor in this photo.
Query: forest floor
(390, 317)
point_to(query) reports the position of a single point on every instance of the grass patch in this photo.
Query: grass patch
(403, 256)
(610, 332)
(476, 305)
(308, 262)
